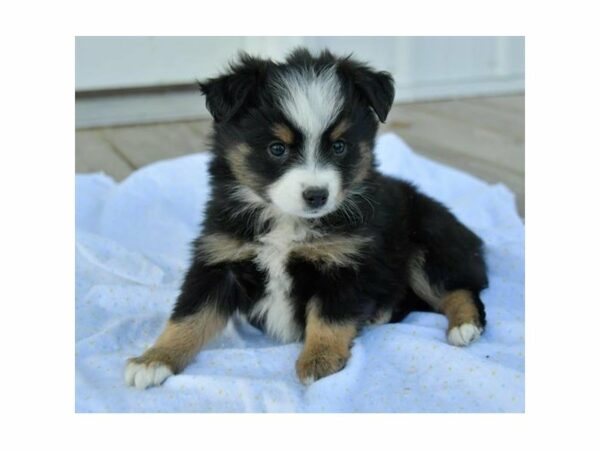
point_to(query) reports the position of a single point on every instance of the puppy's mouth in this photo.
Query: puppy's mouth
(307, 213)
(316, 213)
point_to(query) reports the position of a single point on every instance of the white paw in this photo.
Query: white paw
(464, 334)
(142, 376)
(307, 381)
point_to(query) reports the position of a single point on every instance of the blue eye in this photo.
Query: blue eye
(338, 147)
(277, 149)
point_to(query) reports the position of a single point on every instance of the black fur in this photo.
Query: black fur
(394, 214)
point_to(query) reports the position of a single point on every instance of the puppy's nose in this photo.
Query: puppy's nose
(315, 197)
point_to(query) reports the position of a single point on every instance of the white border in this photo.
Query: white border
(562, 224)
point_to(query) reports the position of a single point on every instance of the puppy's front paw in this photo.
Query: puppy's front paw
(142, 373)
(317, 363)
(465, 334)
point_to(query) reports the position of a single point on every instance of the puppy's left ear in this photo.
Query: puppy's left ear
(228, 93)
(376, 87)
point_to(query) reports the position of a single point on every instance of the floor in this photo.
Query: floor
(484, 136)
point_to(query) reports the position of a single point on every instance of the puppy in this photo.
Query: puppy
(302, 236)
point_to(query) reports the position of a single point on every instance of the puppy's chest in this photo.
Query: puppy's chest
(276, 309)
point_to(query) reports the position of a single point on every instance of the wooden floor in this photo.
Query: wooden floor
(483, 136)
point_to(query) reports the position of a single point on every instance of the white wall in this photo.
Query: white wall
(423, 67)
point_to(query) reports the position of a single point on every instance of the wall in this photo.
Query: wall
(424, 68)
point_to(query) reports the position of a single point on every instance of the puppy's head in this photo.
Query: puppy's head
(298, 134)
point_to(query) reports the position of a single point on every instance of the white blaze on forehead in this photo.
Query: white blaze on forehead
(311, 100)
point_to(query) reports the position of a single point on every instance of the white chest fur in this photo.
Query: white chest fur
(275, 308)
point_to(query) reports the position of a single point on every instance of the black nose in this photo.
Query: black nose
(315, 197)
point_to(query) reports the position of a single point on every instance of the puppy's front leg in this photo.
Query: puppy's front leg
(202, 310)
(175, 347)
(326, 345)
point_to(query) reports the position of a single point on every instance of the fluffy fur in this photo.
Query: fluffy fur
(302, 235)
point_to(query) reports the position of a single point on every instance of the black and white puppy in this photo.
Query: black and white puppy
(302, 235)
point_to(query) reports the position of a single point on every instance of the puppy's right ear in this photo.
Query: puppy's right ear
(227, 94)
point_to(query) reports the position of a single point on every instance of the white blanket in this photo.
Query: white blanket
(132, 249)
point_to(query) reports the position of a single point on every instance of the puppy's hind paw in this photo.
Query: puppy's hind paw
(145, 374)
(465, 334)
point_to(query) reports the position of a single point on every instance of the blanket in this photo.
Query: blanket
(132, 250)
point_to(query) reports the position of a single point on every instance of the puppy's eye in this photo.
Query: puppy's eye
(339, 147)
(277, 149)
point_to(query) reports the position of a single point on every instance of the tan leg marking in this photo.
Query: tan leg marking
(174, 349)
(326, 346)
(464, 324)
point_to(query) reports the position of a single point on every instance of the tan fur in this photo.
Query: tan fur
(326, 345)
(181, 340)
(219, 247)
(339, 130)
(237, 158)
(283, 133)
(419, 282)
(332, 251)
(365, 163)
(460, 308)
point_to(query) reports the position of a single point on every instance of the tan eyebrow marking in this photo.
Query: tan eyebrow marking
(284, 133)
(340, 129)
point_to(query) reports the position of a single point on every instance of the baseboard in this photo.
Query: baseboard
(114, 108)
